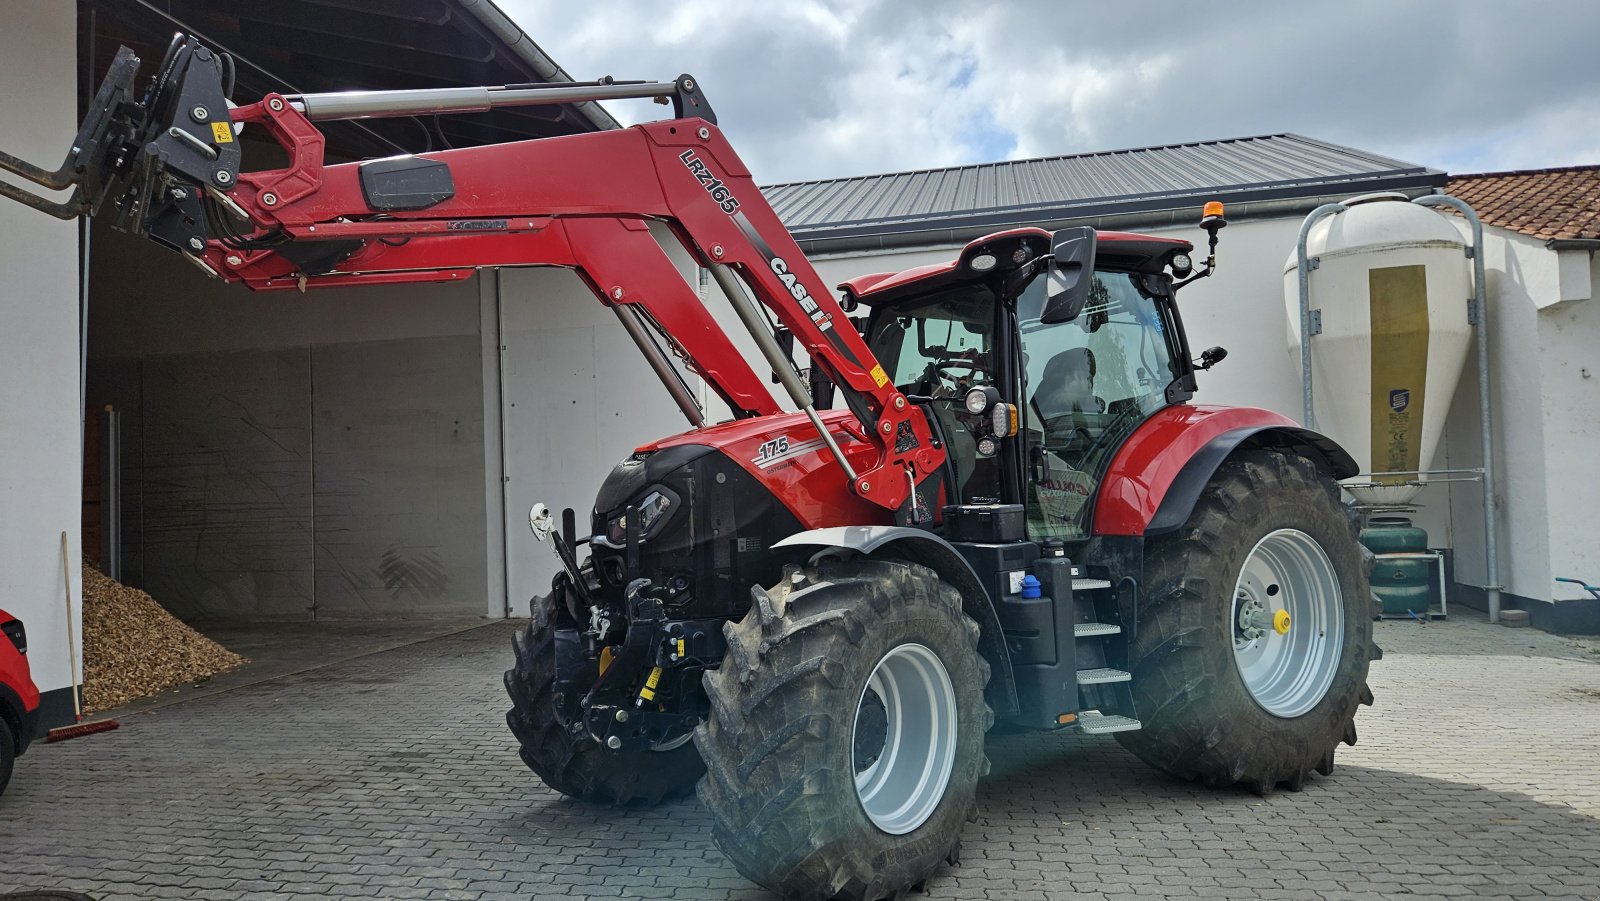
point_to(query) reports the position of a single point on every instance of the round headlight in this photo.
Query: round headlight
(977, 400)
(983, 262)
(988, 447)
(1181, 264)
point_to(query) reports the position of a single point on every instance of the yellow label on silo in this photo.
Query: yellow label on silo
(1399, 301)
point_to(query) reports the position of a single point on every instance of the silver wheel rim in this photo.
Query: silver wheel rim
(1288, 623)
(903, 781)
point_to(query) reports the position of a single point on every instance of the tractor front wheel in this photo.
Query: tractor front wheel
(845, 741)
(1255, 630)
(567, 759)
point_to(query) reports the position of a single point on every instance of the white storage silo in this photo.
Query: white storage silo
(1392, 287)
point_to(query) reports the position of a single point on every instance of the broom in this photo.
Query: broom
(65, 732)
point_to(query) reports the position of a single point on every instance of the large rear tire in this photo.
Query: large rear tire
(845, 742)
(1255, 631)
(571, 762)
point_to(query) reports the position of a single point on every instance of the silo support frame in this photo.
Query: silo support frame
(1478, 317)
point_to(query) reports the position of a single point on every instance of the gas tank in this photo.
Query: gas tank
(1392, 286)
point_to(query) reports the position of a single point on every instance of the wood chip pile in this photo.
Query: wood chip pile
(133, 648)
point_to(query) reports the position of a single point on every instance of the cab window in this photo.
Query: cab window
(940, 348)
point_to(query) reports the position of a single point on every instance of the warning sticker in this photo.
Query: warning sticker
(222, 132)
(879, 376)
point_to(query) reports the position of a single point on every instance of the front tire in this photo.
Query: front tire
(571, 762)
(1255, 633)
(845, 741)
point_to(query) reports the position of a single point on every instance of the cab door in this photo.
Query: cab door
(1086, 385)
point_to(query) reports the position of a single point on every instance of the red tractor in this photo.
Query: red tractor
(1014, 514)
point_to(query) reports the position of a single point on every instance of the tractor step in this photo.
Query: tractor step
(1089, 584)
(1102, 676)
(1092, 630)
(1101, 724)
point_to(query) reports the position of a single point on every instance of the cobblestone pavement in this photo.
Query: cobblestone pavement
(393, 776)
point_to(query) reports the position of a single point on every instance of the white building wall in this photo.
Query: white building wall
(1570, 349)
(40, 487)
(578, 397)
(1569, 354)
(1517, 271)
(1544, 331)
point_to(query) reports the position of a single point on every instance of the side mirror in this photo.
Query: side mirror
(1211, 356)
(1070, 275)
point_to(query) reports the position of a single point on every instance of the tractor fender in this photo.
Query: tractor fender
(1156, 478)
(927, 549)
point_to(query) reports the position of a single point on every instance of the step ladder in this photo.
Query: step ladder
(1104, 689)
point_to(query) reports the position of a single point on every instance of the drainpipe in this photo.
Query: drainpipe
(1308, 416)
(1481, 320)
(526, 50)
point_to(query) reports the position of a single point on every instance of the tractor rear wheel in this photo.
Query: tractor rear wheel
(572, 762)
(1255, 631)
(845, 741)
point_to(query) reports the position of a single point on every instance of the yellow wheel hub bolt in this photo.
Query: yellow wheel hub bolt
(1280, 622)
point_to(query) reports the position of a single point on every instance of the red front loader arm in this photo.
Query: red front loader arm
(580, 202)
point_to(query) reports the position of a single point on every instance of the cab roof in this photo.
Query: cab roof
(1113, 250)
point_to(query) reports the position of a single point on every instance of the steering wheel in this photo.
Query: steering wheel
(961, 373)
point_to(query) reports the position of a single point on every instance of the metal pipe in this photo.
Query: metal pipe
(496, 278)
(339, 105)
(629, 317)
(111, 494)
(530, 52)
(781, 365)
(1309, 416)
(1485, 408)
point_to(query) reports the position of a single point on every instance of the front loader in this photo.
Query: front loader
(1012, 512)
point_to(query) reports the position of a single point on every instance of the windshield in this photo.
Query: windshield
(1088, 384)
(940, 348)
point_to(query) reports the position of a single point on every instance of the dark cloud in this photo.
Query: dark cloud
(834, 87)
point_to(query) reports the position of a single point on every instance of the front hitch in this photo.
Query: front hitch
(155, 158)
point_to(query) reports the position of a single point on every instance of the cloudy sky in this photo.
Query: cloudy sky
(828, 88)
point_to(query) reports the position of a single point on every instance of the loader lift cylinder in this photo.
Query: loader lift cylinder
(663, 367)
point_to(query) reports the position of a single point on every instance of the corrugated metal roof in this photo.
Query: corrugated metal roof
(937, 205)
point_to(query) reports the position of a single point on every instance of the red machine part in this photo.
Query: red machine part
(1149, 461)
(786, 455)
(15, 677)
(583, 202)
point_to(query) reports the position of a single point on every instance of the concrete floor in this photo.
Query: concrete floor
(276, 650)
(391, 775)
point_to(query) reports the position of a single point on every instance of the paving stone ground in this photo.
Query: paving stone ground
(393, 776)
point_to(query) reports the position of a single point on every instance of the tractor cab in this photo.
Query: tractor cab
(1037, 355)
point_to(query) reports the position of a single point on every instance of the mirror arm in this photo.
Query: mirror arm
(1210, 267)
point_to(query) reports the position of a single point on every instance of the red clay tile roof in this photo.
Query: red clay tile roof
(1544, 203)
